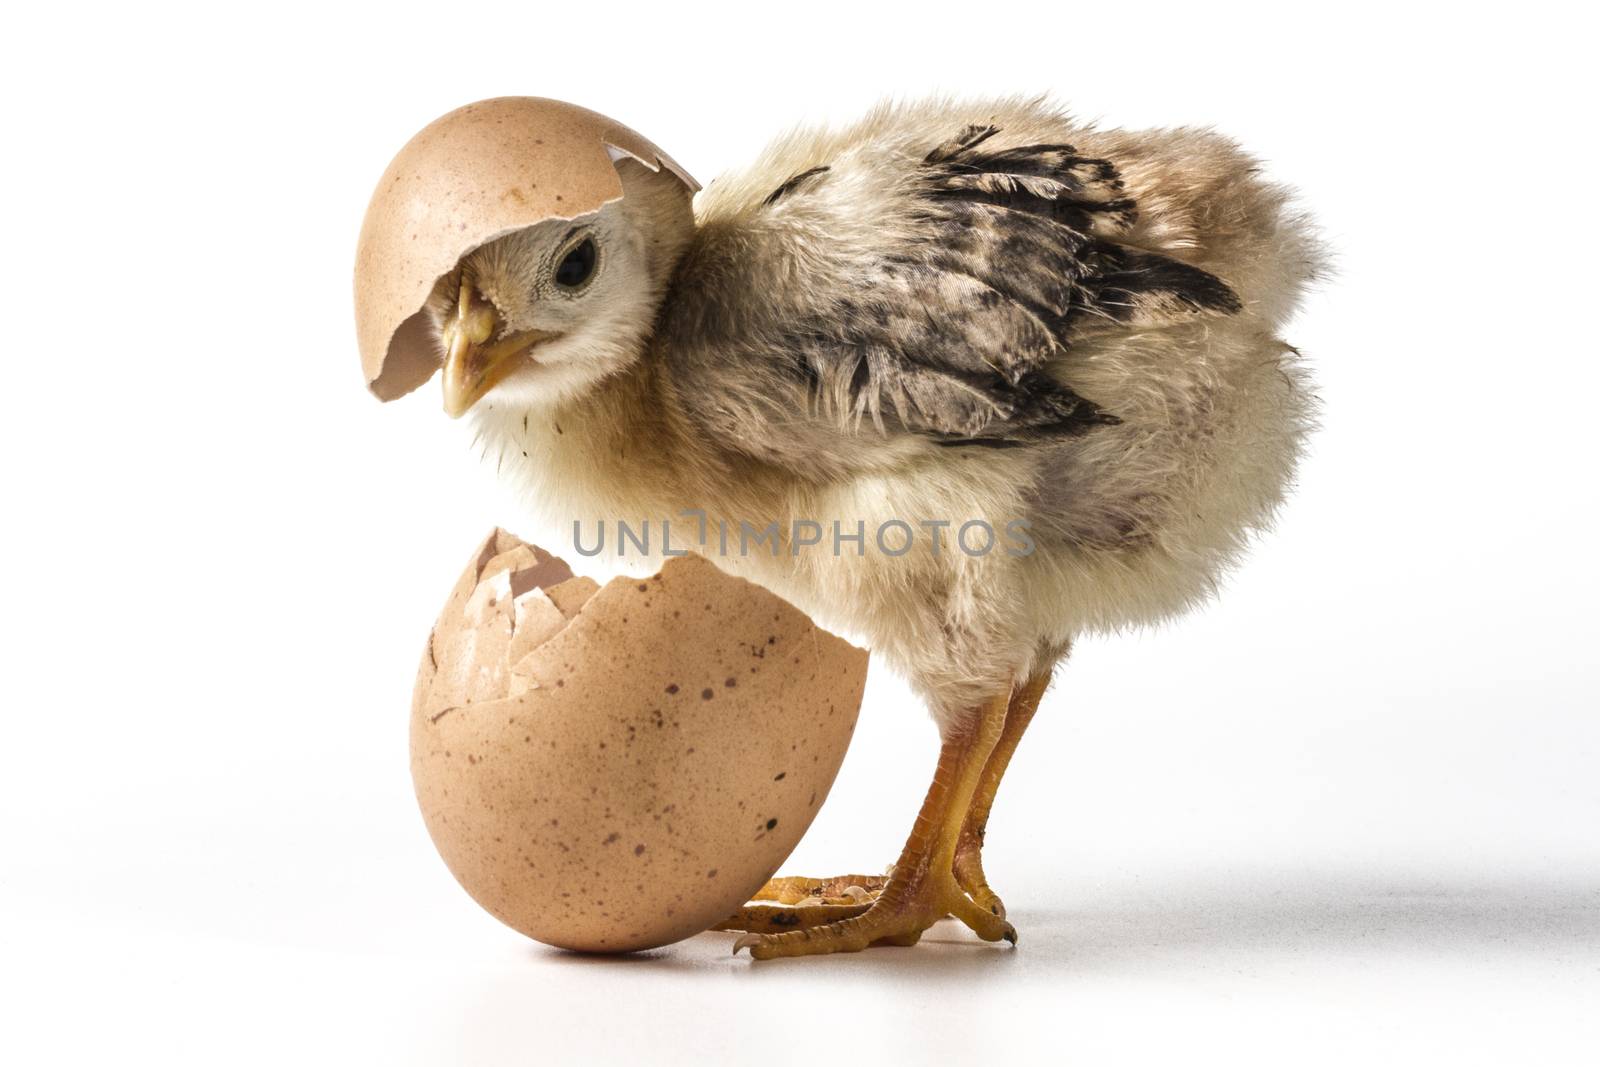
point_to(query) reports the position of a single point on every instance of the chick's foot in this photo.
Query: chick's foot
(898, 916)
(922, 888)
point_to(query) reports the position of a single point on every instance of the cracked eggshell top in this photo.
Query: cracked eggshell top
(608, 768)
(469, 177)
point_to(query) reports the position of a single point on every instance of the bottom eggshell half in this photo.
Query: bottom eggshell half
(664, 751)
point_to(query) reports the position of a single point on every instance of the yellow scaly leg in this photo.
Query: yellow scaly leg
(969, 849)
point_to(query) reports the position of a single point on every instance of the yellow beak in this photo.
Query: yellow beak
(472, 364)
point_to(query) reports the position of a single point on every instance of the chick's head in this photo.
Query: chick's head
(543, 314)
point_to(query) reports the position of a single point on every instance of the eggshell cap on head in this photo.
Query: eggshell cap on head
(469, 177)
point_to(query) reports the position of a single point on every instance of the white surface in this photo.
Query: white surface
(1350, 811)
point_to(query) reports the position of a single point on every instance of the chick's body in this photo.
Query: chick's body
(942, 315)
(840, 353)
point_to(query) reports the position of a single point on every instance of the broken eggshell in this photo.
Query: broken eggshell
(469, 177)
(608, 768)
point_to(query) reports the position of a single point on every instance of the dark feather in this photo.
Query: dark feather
(791, 185)
(953, 334)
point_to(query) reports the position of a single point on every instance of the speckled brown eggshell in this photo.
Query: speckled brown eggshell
(660, 754)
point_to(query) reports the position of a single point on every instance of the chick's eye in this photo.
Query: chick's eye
(577, 265)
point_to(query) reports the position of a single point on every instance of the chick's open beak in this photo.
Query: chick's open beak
(473, 364)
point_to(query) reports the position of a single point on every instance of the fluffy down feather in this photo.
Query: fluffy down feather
(951, 312)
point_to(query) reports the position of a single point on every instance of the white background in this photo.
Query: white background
(1349, 811)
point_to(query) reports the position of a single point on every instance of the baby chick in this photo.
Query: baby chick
(1043, 357)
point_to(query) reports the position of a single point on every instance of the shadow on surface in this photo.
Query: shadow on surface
(1328, 914)
(1108, 927)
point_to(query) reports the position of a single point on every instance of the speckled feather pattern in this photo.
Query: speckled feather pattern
(953, 311)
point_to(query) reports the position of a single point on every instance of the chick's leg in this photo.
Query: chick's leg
(922, 888)
(969, 849)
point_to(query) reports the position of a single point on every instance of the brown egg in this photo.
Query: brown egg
(616, 767)
(467, 178)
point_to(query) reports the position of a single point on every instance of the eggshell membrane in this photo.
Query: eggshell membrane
(479, 172)
(638, 773)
